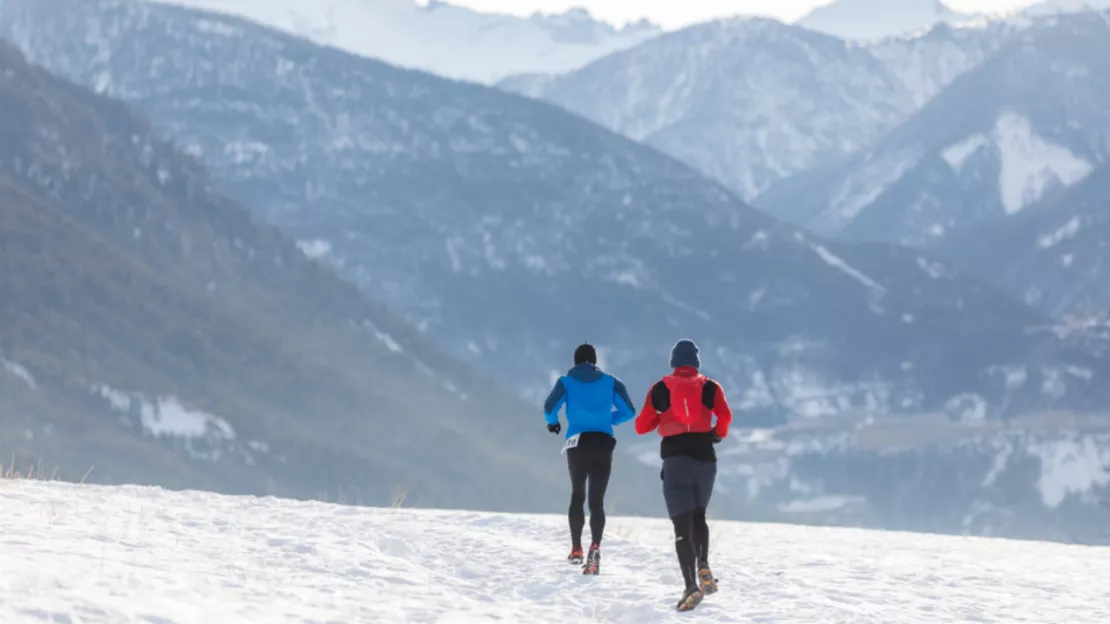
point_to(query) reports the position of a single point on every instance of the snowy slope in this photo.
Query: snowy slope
(998, 139)
(449, 40)
(878, 19)
(105, 555)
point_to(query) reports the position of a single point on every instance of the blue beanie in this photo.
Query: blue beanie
(685, 353)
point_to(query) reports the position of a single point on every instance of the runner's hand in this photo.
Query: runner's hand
(556, 428)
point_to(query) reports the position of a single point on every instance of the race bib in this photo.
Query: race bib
(571, 442)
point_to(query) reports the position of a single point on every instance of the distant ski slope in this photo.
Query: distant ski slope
(441, 38)
(86, 555)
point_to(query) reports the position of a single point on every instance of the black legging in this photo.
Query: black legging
(691, 544)
(592, 465)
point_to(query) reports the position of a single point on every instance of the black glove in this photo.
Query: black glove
(556, 428)
(716, 437)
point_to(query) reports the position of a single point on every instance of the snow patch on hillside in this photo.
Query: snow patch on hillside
(1029, 163)
(839, 263)
(956, 155)
(20, 372)
(1067, 231)
(389, 342)
(932, 268)
(166, 417)
(1072, 466)
(315, 248)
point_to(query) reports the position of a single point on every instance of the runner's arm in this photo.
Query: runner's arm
(648, 419)
(554, 403)
(723, 412)
(622, 403)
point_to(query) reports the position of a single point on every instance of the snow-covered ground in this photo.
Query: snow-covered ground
(87, 554)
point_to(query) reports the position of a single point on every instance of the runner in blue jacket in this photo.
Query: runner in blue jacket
(595, 403)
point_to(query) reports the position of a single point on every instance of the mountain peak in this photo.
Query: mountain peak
(440, 37)
(577, 25)
(1059, 7)
(878, 19)
(573, 13)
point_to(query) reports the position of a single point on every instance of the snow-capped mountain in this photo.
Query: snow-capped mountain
(749, 102)
(745, 101)
(1030, 120)
(442, 38)
(1054, 254)
(152, 332)
(1059, 7)
(510, 230)
(867, 20)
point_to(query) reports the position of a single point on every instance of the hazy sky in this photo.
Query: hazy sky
(674, 13)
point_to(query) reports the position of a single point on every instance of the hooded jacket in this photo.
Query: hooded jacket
(595, 401)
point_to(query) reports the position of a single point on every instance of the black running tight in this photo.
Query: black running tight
(691, 543)
(589, 478)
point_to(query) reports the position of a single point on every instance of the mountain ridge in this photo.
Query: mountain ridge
(942, 171)
(524, 208)
(155, 331)
(447, 39)
(1052, 254)
(667, 93)
(746, 127)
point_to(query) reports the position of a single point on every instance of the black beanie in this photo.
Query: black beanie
(585, 353)
(685, 353)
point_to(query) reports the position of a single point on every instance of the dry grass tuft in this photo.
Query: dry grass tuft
(397, 500)
(34, 472)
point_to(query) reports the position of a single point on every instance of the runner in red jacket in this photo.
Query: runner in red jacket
(681, 406)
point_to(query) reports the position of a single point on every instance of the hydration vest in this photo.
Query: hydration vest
(687, 412)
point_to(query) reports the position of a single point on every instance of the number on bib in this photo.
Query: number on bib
(571, 442)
